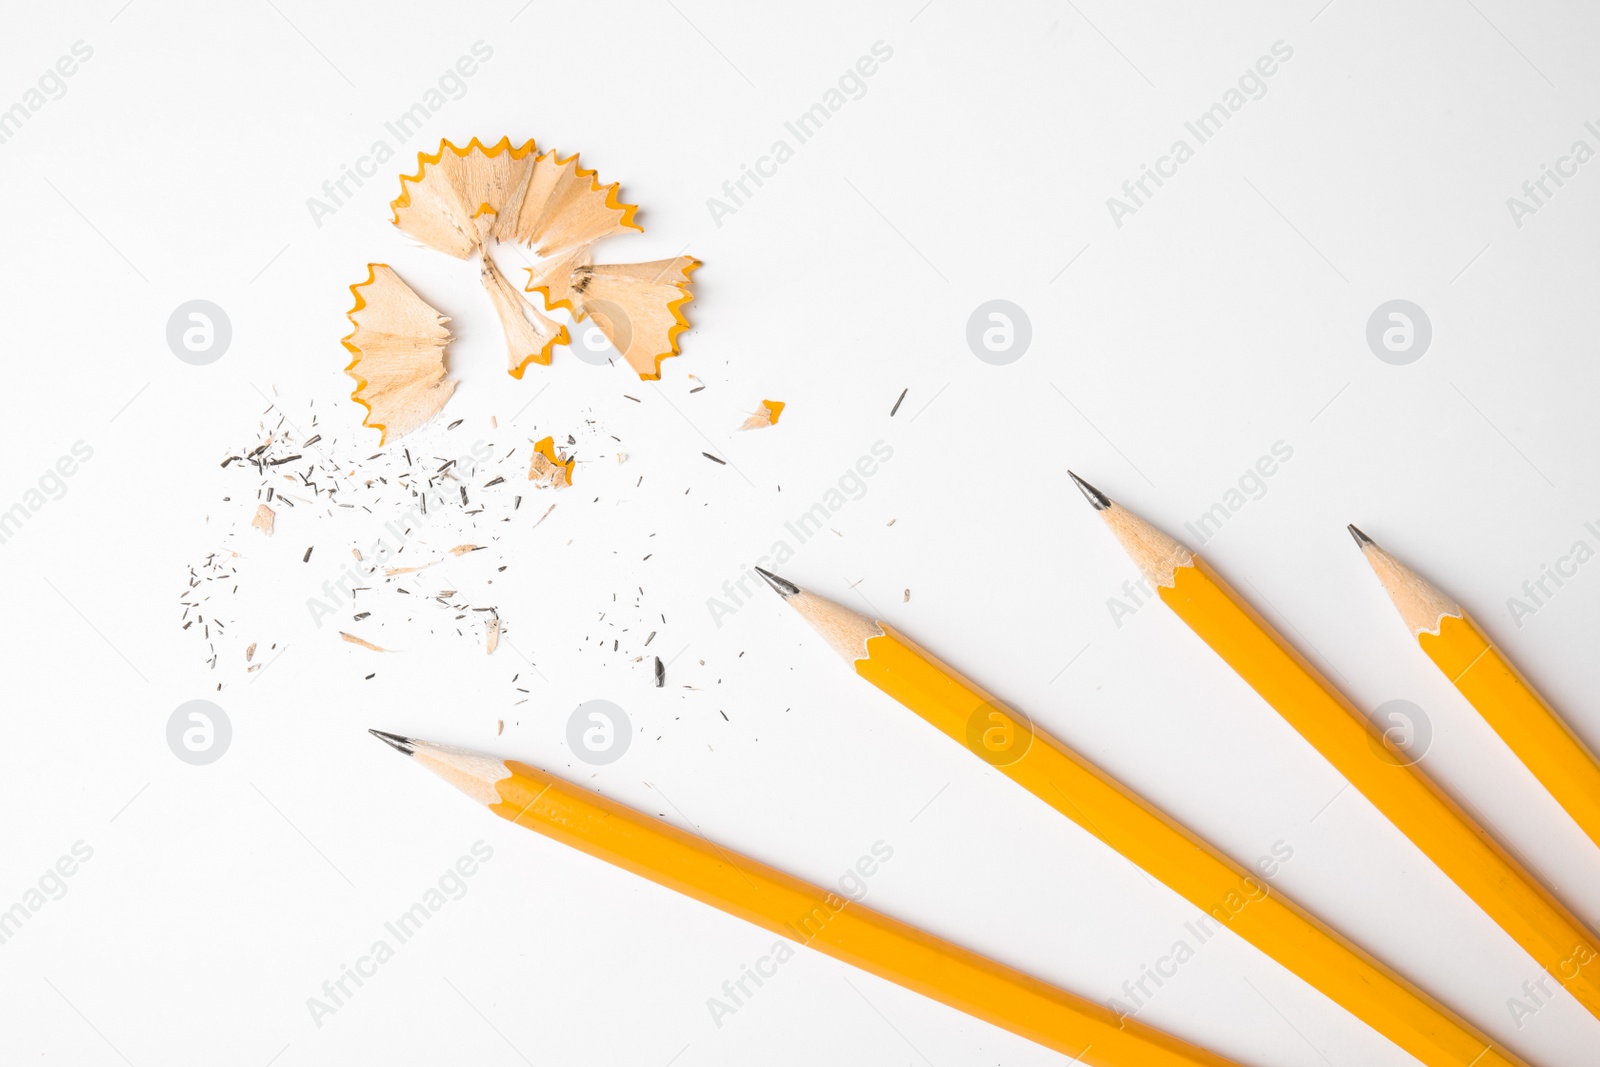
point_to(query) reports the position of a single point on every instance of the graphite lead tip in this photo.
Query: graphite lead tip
(394, 741)
(1095, 497)
(1361, 539)
(782, 586)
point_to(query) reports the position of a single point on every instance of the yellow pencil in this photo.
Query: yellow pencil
(1435, 823)
(1524, 721)
(804, 913)
(1186, 864)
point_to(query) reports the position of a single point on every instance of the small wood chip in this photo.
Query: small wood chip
(265, 517)
(548, 468)
(661, 673)
(765, 415)
(907, 598)
(354, 640)
(491, 637)
(250, 652)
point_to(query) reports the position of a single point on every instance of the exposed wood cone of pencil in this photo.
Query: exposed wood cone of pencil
(1555, 755)
(1479, 866)
(803, 913)
(1228, 893)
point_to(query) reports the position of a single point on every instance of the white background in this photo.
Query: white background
(1227, 314)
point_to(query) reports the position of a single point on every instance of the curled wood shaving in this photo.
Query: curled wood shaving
(638, 306)
(398, 346)
(462, 199)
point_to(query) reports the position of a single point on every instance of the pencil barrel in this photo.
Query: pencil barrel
(1509, 894)
(1230, 895)
(1555, 755)
(809, 915)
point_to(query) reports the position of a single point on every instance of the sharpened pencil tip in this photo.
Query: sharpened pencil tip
(394, 741)
(782, 586)
(1361, 539)
(1094, 496)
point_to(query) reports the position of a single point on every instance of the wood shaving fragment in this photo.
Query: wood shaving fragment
(907, 598)
(461, 550)
(250, 652)
(548, 469)
(354, 640)
(264, 520)
(491, 636)
(392, 571)
(764, 416)
(499, 727)
(399, 346)
(891, 522)
(699, 385)
(638, 306)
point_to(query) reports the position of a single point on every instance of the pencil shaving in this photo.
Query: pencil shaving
(265, 519)
(491, 637)
(464, 199)
(546, 469)
(638, 306)
(764, 416)
(398, 346)
(354, 640)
